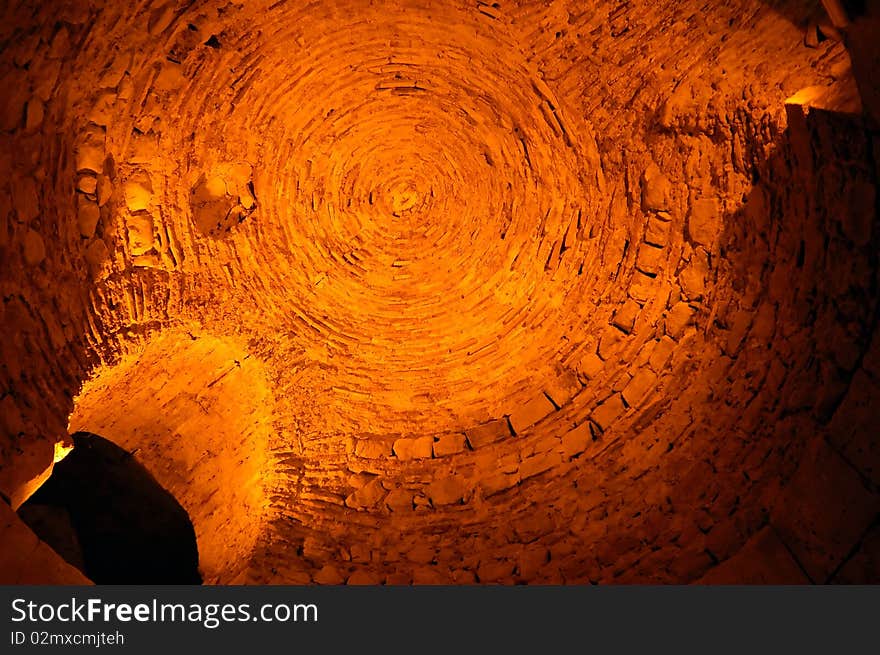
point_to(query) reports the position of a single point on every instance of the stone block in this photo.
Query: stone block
(661, 353)
(141, 233)
(643, 287)
(372, 448)
(530, 413)
(530, 561)
(657, 232)
(367, 496)
(90, 158)
(447, 491)
(87, 184)
(138, 192)
(590, 365)
(33, 248)
(656, 189)
(704, 222)
(824, 511)
(98, 258)
(763, 559)
(486, 433)
(626, 315)
(417, 448)
(693, 277)
(399, 500)
(608, 412)
(543, 444)
(608, 342)
(329, 575)
(421, 553)
(449, 444)
(498, 482)
(104, 190)
(678, 318)
(576, 440)
(362, 577)
(87, 216)
(496, 571)
(563, 388)
(650, 259)
(642, 383)
(537, 464)
(34, 114)
(431, 575)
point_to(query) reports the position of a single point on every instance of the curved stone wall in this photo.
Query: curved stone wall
(539, 293)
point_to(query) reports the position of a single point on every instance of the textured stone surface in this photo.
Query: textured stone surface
(401, 226)
(449, 444)
(33, 248)
(446, 491)
(704, 224)
(418, 448)
(530, 412)
(824, 511)
(486, 433)
(764, 559)
(178, 395)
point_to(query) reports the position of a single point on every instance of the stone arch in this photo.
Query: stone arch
(195, 411)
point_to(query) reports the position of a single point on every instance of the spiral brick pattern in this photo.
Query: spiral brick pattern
(451, 292)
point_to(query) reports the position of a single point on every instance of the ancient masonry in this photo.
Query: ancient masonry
(449, 292)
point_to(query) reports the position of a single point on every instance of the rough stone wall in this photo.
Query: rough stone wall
(190, 407)
(544, 293)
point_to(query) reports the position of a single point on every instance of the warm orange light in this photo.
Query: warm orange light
(433, 292)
